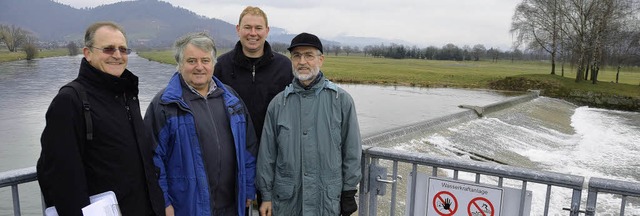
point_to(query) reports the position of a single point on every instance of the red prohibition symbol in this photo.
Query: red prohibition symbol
(482, 205)
(448, 207)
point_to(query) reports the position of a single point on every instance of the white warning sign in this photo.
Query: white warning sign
(448, 197)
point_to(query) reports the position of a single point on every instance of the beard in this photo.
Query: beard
(306, 77)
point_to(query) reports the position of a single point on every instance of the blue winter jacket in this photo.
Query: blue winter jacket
(183, 178)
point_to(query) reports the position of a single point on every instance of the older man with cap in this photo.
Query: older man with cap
(309, 158)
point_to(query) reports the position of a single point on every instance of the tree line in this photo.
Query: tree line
(584, 33)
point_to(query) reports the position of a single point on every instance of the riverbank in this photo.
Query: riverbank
(6, 56)
(606, 95)
(502, 75)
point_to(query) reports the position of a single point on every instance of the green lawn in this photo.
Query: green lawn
(467, 74)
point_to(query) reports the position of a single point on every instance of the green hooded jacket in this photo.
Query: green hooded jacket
(310, 150)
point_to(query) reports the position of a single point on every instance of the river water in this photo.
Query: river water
(544, 134)
(27, 88)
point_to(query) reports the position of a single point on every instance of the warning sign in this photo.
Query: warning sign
(445, 203)
(445, 195)
(480, 206)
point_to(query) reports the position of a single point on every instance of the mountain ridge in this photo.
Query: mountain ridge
(148, 23)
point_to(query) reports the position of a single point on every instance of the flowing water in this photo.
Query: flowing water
(551, 135)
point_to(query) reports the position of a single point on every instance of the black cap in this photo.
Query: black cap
(306, 39)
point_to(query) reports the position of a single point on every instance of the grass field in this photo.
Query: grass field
(431, 73)
(467, 74)
(6, 56)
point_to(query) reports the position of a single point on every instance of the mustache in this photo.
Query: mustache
(303, 67)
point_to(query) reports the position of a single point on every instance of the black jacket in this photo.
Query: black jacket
(256, 83)
(119, 158)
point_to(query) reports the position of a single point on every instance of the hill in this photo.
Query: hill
(149, 23)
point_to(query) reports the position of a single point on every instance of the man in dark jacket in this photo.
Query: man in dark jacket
(255, 71)
(118, 157)
(206, 147)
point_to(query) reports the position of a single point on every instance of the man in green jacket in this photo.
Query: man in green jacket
(309, 158)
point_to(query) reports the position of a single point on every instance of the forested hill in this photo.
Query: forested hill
(147, 22)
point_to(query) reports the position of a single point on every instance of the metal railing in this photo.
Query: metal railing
(373, 183)
(12, 179)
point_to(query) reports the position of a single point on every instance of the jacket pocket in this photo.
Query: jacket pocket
(283, 191)
(332, 199)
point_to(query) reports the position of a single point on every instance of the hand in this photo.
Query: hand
(348, 203)
(169, 211)
(266, 208)
(248, 203)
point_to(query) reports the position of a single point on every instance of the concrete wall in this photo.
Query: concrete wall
(600, 100)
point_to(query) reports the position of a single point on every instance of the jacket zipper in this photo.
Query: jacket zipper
(253, 73)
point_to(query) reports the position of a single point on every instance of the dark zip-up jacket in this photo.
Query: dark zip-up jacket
(119, 158)
(256, 83)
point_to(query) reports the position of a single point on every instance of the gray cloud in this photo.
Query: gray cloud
(420, 22)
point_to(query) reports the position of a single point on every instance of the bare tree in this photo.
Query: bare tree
(336, 49)
(72, 47)
(539, 22)
(610, 17)
(14, 36)
(478, 51)
(347, 49)
(624, 47)
(589, 24)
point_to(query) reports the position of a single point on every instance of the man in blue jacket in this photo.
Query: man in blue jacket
(205, 142)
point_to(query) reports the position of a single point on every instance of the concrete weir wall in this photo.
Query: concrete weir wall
(468, 113)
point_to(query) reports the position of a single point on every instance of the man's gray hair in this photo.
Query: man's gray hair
(201, 40)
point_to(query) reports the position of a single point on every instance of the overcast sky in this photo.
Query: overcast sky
(422, 22)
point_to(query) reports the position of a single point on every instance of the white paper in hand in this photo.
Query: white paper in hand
(102, 204)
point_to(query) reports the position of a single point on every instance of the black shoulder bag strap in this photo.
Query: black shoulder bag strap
(86, 107)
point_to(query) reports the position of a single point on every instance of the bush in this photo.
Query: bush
(31, 50)
(73, 49)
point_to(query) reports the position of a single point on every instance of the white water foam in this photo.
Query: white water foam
(603, 143)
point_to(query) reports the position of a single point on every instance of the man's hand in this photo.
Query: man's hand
(266, 208)
(248, 203)
(348, 203)
(169, 211)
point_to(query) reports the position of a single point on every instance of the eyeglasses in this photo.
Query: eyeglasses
(111, 50)
(307, 56)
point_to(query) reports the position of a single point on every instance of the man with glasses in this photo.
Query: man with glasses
(205, 143)
(94, 139)
(309, 158)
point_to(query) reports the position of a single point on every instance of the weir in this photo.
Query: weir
(468, 113)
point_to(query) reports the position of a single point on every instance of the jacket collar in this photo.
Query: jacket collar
(127, 82)
(173, 92)
(241, 60)
(323, 83)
